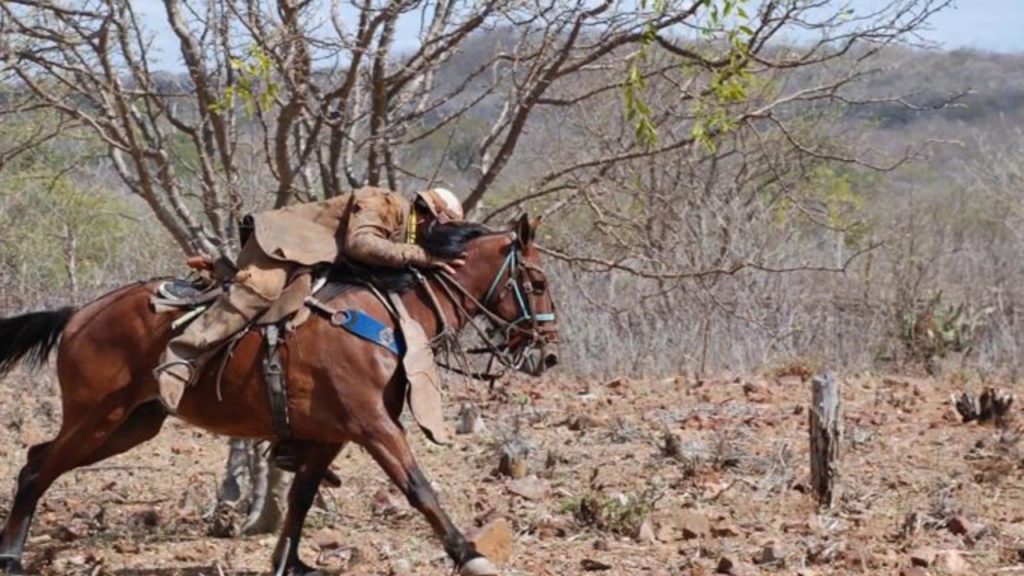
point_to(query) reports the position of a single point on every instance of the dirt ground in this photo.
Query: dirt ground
(680, 476)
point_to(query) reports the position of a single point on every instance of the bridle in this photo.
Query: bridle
(532, 326)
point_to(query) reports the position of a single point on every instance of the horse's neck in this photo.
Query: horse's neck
(423, 310)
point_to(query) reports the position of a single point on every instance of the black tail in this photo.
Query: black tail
(30, 337)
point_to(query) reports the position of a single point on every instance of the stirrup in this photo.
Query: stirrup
(161, 368)
(170, 386)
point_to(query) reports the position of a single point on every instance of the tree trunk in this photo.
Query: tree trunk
(254, 489)
(826, 432)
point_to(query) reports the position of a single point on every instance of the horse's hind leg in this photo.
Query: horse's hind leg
(313, 461)
(86, 443)
(389, 447)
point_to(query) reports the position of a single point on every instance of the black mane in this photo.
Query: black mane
(443, 240)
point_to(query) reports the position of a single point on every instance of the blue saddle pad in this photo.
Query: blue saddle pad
(370, 329)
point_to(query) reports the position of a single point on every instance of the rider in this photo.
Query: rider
(370, 226)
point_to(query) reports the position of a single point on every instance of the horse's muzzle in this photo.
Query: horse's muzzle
(550, 355)
(538, 359)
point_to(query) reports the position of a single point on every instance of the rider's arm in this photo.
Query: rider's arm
(366, 240)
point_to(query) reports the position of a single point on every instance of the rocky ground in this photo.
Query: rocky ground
(680, 476)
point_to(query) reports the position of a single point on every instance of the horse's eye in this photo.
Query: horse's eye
(539, 286)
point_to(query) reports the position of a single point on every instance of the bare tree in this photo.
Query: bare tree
(296, 100)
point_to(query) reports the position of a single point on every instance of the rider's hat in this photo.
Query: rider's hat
(442, 203)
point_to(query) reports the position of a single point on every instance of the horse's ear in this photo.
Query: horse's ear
(524, 231)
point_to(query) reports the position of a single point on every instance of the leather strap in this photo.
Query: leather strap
(277, 390)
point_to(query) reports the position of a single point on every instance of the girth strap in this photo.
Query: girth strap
(277, 389)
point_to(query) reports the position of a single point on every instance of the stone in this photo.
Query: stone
(382, 503)
(513, 461)
(725, 529)
(582, 422)
(770, 554)
(591, 565)
(494, 540)
(923, 557)
(861, 560)
(327, 539)
(734, 567)
(470, 421)
(693, 525)
(401, 567)
(667, 533)
(756, 391)
(530, 488)
(959, 525)
(951, 562)
(914, 571)
(645, 534)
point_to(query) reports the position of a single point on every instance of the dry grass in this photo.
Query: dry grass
(737, 460)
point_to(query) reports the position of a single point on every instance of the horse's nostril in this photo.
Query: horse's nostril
(550, 360)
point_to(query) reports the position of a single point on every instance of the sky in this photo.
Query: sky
(991, 25)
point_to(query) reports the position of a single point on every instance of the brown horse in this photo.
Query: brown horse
(341, 389)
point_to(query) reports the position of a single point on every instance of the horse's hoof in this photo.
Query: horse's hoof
(478, 566)
(11, 565)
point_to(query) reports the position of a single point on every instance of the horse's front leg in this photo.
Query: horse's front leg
(386, 442)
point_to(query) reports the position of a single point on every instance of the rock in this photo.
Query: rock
(591, 565)
(725, 529)
(971, 531)
(550, 527)
(149, 518)
(860, 560)
(470, 421)
(951, 562)
(602, 545)
(756, 391)
(645, 534)
(67, 534)
(494, 540)
(667, 533)
(672, 446)
(383, 503)
(923, 557)
(770, 554)
(513, 461)
(530, 488)
(585, 422)
(693, 525)
(733, 567)
(959, 525)
(327, 539)
(401, 567)
(913, 571)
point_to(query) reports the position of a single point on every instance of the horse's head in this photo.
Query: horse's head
(514, 294)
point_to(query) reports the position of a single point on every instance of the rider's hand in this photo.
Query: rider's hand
(200, 263)
(448, 266)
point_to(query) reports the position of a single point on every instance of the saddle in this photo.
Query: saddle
(309, 292)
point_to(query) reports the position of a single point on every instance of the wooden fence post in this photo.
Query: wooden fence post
(826, 431)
